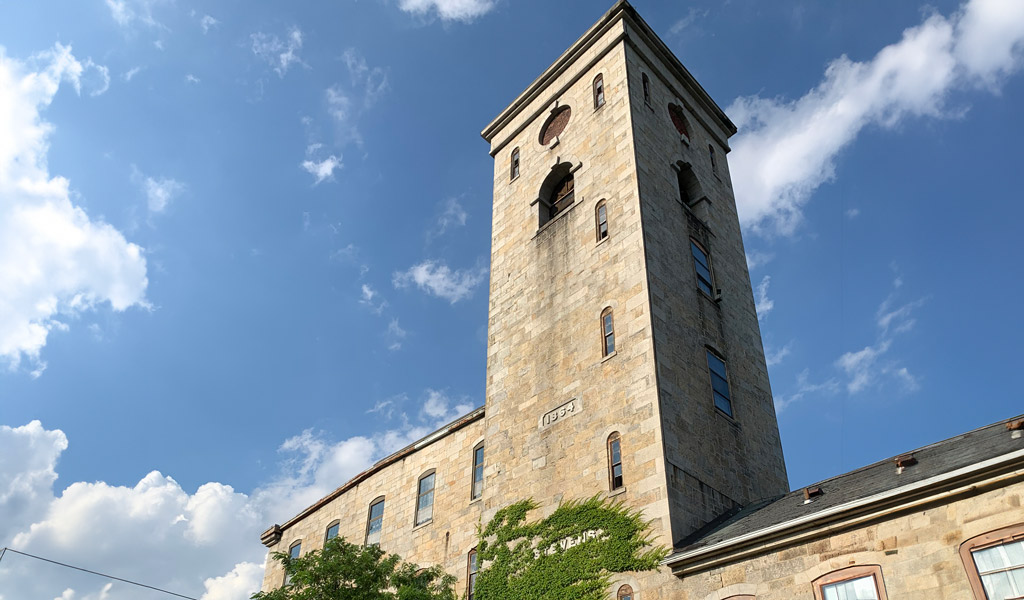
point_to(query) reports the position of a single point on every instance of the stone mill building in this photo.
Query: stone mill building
(624, 359)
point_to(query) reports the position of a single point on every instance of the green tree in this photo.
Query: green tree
(344, 571)
(569, 555)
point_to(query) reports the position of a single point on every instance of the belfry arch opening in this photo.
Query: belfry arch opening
(689, 187)
(557, 193)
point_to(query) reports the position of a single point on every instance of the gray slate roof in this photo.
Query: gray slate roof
(936, 459)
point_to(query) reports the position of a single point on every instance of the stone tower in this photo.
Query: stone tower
(622, 333)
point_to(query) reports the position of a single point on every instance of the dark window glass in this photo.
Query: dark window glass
(700, 264)
(602, 222)
(425, 500)
(599, 91)
(515, 163)
(472, 574)
(562, 196)
(684, 195)
(478, 472)
(647, 90)
(332, 532)
(608, 330)
(615, 461)
(719, 383)
(293, 552)
(714, 163)
(375, 523)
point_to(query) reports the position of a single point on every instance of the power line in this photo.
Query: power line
(4, 550)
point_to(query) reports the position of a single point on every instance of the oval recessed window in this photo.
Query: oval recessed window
(678, 119)
(555, 125)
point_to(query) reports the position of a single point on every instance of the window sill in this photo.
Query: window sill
(423, 524)
(475, 501)
(513, 180)
(602, 240)
(731, 420)
(609, 356)
(616, 492)
(557, 217)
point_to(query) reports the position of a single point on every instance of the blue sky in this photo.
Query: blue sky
(244, 246)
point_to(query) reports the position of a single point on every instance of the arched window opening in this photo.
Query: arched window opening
(375, 522)
(647, 89)
(515, 164)
(557, 193)
(615, 461)
(607, 332)
(332, 531)
(675, 112)
(471, 568)
(602, 220)
(478, 472)
(425, 499)
(995, 563)
(863, 582)
(714, 161)
(625, 593)
(293, 552)
(598, 91)
(690, 191)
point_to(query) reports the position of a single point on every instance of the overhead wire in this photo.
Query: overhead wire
(4, 551)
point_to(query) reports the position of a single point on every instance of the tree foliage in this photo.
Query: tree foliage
(569, 555)
(344, 571)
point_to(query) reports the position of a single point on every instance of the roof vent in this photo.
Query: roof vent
(811, 493)
(1015, 427)
(902, 462)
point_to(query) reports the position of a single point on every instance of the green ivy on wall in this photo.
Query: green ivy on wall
(570, 555)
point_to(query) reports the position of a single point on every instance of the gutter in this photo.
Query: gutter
(787, 533)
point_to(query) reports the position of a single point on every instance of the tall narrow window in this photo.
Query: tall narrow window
(425, 499)
(515, 164)
(332, 531)
(625, 593)
(719, 383)
(293, 552)
(995, 563)
(478, 472)
(598, 91)
(608, 331)
(702, 266)
(714, 162)
(602, 221)
(684, 184)
(375, 522)
(472, 569)
(647, 90)
(615, 461)
(861, 582)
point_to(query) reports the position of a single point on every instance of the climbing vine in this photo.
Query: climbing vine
(569, 555)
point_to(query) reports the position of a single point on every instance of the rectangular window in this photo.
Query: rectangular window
(515, 163)
(478, 472)
(471, 588)
(703, 268)
(719, 383)
(375, 523)
(862, 588)
(425, 500)
(293, 552)
(602, 222)
(615, 461)
(609, 333)
(1002, 570)
(332, 532)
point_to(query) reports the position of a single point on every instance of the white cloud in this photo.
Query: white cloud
(452, 215)
(96, 78)
(804, 387)
(852, 213)
(207, 22)
(687, 22)
(338, 104)
(55, 261)
(775, 357)
(373, 80)
(449, 10)
(161, 192)
(127, 13)
(279, 54)
(190, 78)
(756, 258)
(395, 334)
(130, 73)
(322, 170)
(438, 407)
(438, 280)
(369, 298)
(787, 149)
(764, 303)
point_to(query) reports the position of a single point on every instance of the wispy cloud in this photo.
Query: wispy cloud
(775, 357)
(128, 13)
(323, 169)
(451, 215)
(279, 53)
(448, 10)
(804, 387)
(206, 22)
(372, 80)
(788, 148)
(190, 78)
(438, 280)
(764, 304)
(757, 258)
(687, 22)
(395, 335)
(130, 73)
(160, 193)
(372, 300)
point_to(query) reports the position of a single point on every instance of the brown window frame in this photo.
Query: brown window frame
(369, 518)
(514, 165)
(854, 572)
(597, 217)
(647, 88)
(625, 591)
(327, 531)
(997, 537)
(607, 334)
(472, 568)
(599, 91)
(615, 437)
(742, 597)
(477, 467)
(416, 513)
